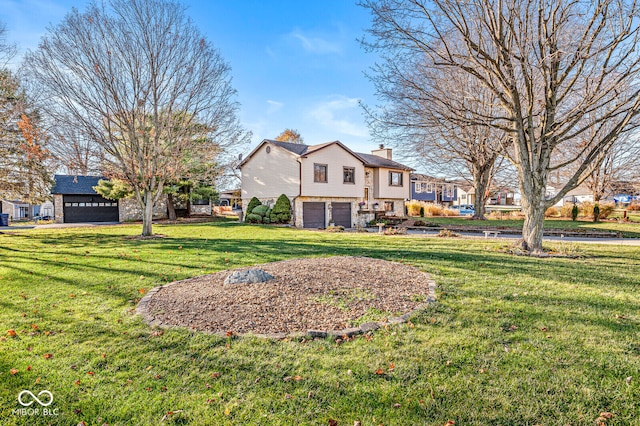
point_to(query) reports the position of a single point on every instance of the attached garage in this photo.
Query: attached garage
(341, 214)
(313, 215)
(89, 208)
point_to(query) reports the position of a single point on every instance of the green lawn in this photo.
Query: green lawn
(512, 340)
(629, 229)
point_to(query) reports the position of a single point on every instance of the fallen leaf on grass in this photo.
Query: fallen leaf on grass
(12, 333)
(28, 368)
(379, 371)
(72, 295)
(297, 378)
(215, 375)
(333, 422)
(288, 396)
(449, 423)
(13, 371)
(35, 327)
(396, 405)
(47, 356)
(91, 373)
(77, 382)
(606, 415)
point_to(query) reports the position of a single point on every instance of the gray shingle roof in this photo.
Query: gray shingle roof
(369, 160)
(78, 185)
(376, 161)
(296, 148)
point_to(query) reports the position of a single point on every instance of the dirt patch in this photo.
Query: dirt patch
(307, 294)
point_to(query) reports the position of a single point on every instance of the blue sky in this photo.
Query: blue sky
(295, 63)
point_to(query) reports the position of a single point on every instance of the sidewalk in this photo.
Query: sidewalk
(586, 240)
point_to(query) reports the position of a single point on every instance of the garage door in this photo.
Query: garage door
(89, 208)
(341, 213)
(313, 215)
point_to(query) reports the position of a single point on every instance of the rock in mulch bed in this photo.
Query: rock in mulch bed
(306, 296)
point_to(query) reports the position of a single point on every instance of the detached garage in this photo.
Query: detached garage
(76, 201)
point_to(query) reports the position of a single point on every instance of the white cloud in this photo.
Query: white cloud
(342, 115)
(317, 45)
(274, 106)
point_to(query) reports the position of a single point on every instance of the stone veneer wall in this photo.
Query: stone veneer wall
(299, 219)
(201, 209)
(129, 209)
(57, 209)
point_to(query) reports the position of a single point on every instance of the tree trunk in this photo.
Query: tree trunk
(481, 179)
(171, 207)
(147, 213)
(533, 227)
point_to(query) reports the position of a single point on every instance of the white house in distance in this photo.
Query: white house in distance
(327, 183)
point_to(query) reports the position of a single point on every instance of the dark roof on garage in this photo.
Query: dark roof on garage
(75, 185)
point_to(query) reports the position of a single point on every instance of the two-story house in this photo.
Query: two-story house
(326, 183)
(431, 189)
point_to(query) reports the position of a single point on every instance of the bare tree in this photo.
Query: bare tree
(559, 69)
(421, 114)
(617, 165)
(137, 77)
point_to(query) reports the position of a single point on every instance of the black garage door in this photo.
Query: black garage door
(313, 215)
(341, 213)
(89, 208)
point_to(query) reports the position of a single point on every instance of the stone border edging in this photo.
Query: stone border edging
(143, 310)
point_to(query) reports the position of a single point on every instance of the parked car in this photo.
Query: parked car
(45, 217)
(465, 209)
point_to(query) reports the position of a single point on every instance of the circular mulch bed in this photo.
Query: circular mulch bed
(331, 294)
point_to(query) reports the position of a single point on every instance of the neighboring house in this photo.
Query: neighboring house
(435, 190)
(231, 198)
(576, 196)
(465, 195)
(327, 183)
(18, 210)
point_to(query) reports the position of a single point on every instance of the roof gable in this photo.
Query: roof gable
(301, 150)
(77, 185)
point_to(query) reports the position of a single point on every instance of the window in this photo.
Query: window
(395, 178)
(349, 175)
(200, 201)
(418, 187)
(320, 173)
(388, 206)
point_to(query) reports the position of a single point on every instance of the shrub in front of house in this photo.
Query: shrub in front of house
(606, 209)
(552, 212)
(252, 205)
(253, 218)
(281, 212)
(574, 212)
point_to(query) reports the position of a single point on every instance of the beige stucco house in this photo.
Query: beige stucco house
(326, 183)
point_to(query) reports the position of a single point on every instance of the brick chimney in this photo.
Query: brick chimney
(382, 152)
